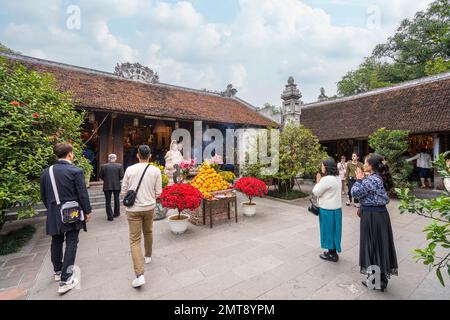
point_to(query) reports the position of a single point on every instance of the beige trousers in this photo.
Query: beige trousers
(140, 223)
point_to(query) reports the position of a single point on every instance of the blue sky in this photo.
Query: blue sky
(254, 44)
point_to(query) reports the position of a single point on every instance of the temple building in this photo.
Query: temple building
(131, 107)
(343, 125)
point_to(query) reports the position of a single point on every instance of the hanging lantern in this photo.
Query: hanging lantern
(177, 125)
(136, 122)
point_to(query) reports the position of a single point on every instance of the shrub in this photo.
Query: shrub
(393, 144)
(34, 116)
(181, 196)
(252, 187)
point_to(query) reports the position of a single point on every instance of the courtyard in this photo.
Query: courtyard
(273, 255)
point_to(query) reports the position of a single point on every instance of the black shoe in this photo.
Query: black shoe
(329, 257)
(110, 219)
(116, 215)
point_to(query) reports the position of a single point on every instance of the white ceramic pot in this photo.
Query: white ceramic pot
(447, 183)
(249, 209)
(178, 226)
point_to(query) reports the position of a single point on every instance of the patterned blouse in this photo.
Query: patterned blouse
(370, 191)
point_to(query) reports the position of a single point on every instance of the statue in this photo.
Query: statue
(230, 92)
(323, 96)
(173, 157)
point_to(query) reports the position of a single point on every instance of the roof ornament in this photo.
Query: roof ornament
(291, 91)
(323, 96)
(136, 71)
(230, 92)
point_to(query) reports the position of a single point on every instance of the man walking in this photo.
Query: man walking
(140, 215)
(111, 174)
(61, 185)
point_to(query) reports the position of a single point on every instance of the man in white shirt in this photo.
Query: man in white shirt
(424, 165)
(140, 215)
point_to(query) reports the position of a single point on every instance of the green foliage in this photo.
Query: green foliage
(441, 164)
(436, 255)
(436, 66)
(370, 75)
(254, 170)
(392, 144)
(292, 195)
(300, 153)
(5, 49)
(34, 116)
(420, 47)
(13, 241)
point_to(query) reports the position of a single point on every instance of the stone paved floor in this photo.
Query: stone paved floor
(273, 255)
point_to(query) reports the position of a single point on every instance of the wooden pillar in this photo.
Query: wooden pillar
(111, 134)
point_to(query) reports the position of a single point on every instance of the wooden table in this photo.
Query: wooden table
(211, 204)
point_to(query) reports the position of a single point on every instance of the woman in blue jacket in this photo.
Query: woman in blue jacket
(377, 247)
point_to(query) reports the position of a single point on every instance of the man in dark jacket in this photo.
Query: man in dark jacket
(111, 174)
(71, 186)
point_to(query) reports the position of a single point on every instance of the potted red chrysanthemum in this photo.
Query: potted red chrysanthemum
(180, 197)
(251, 187)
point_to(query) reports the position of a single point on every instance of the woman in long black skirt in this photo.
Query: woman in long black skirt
(377, 249)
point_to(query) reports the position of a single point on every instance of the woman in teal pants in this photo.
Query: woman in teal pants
(328, 191)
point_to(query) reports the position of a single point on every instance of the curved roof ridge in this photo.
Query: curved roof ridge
(403, 85)
(112, 75)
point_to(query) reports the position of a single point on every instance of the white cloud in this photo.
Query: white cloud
(268, 41)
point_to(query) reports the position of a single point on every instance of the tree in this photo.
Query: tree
(420, 47)
(393, 144)
(34, 116)
(370, 75)
(299, 153)
(437, 253)
(5, 49)
(424, 38)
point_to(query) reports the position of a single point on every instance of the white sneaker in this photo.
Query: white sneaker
(58, 276)
(148, 260)
(68, 285)
(139, 281)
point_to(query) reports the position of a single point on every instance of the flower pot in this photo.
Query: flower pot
(178, 226)
(249, 209)
(447, 183)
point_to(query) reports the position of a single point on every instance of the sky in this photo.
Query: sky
(206, 44)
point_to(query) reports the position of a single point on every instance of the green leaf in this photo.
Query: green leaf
(439, 275)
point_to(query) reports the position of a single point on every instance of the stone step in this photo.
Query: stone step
(41, 210)
(427, 193)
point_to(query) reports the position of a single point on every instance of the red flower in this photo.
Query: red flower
(252, 187)
(36, 115)
(181, 197)
(15, 103)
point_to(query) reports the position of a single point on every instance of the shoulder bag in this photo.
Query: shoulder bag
(313, 208)
(130, 197)
(71, 211)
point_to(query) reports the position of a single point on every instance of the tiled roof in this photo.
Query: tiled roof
(421, 106)
(98, 90)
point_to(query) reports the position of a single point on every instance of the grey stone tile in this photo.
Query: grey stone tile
(20, 260)
(10, 282)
